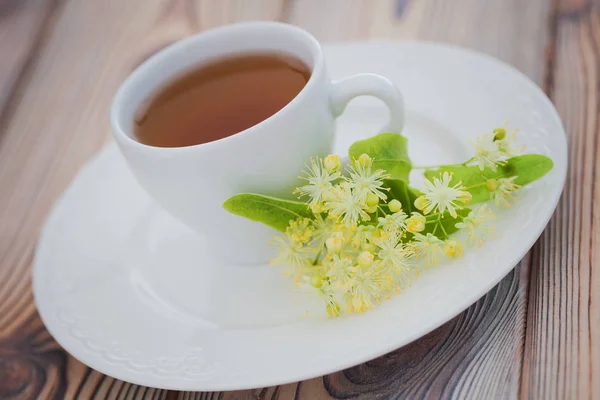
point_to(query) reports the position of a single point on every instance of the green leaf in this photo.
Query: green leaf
(389, 152)
(527, 168)
(444, 226)
(400, 191)
(271, 211)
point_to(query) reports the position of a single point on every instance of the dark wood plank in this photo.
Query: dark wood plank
(562, 355)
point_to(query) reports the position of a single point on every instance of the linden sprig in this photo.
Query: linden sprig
(361, 246)
(360, 233)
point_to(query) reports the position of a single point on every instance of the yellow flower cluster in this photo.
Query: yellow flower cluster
(363, 233)
(493, 149)
(362, 247)
(354, 266)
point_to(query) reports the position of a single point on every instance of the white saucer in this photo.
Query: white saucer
(135, 295)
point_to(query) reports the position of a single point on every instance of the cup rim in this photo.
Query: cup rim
(122, 92)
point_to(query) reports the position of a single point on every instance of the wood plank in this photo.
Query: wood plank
(562, 355)
(474, 352)
(333, 20)
(477, 354)
(514, 31)
(58, 121)
(22, 24)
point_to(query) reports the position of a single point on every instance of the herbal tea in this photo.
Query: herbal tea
(219, 99)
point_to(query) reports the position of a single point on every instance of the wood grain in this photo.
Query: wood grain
(562, 356)
(535, 335)
(91, 48)
(22, 27)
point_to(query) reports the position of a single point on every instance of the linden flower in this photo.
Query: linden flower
(478, 223)
(339, 270)
(323, 290)
(404, 277)
(395, 222)
(504, 192)
(327, 294)
(427, 246)
(345, 204)
(453, 248)
(293, 256)
(365, 259)
(300, 230)
(335, 242)
(394, 255)
(368, 285)
(333, 309)
(440, 196)
(364, 181)
(362, 237)
(319, 181)
(317, 208)
(487, 153)
(505, 142)
(322, 228)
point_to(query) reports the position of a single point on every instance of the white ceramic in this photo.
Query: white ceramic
(193, 182)
(133, 293)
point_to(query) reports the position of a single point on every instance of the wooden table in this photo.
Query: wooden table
(536, 335)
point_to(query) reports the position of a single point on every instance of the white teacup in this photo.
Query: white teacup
(192, 182)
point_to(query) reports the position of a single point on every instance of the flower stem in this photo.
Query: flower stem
(428, 218)
(483, 183)
(474, 186)
(444, 165)
(318, 255)
(442, 226)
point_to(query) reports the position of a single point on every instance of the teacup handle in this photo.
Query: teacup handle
(374, 85)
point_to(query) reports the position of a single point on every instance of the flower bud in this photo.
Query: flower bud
(316, 281)
(491, 185)
(465, 197)
(372, 199)
(421, 203)
(372, 209)
(499, 134)
(332, 163)
(376, 235)
(416, 223)
(364, 160)
(395, 206)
